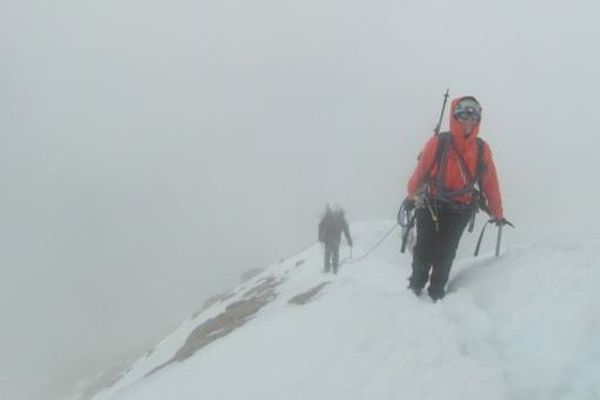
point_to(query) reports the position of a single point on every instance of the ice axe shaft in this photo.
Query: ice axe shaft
(439, 125)
(499, 237)
(479, 240)
(499, 240)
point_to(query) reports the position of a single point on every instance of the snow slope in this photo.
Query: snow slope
(522, 326)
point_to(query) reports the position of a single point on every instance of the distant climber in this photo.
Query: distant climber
(332, 224)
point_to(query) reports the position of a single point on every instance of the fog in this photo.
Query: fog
(150, 152)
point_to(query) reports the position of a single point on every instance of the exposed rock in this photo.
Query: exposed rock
(263, 285)
(235, 315)
(221, 297)
(307, 296)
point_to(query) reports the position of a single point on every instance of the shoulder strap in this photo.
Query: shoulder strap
(444, 143)
(481, 167)
(464, 166)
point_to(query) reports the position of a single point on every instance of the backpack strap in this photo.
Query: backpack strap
(444, 144)
(464, 167)
(481, 167)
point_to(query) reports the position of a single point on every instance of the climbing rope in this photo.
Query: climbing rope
(377, 244)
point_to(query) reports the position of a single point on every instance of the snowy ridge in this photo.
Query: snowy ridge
(523, 326)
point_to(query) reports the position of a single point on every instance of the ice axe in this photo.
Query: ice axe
(500, 224)
(436, 130)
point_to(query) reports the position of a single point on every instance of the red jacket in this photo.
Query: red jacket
(427, 168)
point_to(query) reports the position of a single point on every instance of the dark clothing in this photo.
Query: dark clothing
(331, 227)
(332, 257)
(435, 249)
(330, 233)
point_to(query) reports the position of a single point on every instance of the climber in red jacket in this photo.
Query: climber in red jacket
(455, 175)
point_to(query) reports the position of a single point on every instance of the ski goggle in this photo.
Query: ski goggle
(467, 116)
(468, 109)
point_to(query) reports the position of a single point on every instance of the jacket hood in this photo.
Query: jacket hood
(456, 127)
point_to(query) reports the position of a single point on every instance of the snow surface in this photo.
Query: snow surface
(525, 325)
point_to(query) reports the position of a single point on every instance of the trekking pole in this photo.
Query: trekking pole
(498, 237)
(436, 131)
(480, 238)
(498, 240)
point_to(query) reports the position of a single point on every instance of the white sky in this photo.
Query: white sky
(152, 151)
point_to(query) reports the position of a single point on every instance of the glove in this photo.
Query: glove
(409, 203)
(502, 221)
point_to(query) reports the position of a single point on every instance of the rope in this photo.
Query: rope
(353, 260)
(406, 219)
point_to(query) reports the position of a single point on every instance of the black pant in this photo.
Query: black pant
(332, 256)
(436, 248)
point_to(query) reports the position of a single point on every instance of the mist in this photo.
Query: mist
(151, 152)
